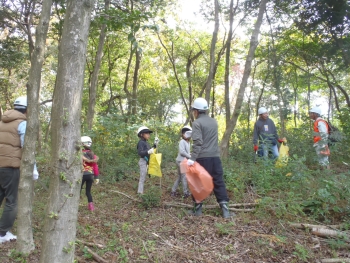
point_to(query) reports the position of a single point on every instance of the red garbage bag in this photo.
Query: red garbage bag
(199, 180)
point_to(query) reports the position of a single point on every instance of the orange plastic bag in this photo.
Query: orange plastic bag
(199, 180)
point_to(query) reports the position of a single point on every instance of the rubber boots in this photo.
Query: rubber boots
(91, 206)
(225, 211)
(197, 210)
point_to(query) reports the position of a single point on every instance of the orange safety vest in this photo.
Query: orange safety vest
(317, 137)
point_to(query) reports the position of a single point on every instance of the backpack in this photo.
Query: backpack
(334, 135)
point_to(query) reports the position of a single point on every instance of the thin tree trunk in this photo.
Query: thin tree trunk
(212, 52)
(25, 242)
(247, 69)
(172, 61)
(227, 67)
(94, 77)
(58, 244)
(127, 92)
(135, 82)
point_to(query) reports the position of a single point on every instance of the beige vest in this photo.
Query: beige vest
(10, 143)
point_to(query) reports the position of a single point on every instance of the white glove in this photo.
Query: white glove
(190, 162)
(156, 140)
(35, 174)
(97, 181)
(150, 151)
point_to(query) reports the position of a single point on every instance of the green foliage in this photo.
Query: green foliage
(224, 229)
(152, 198)
(301, 252)
(18, 256)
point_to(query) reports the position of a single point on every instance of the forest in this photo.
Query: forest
(104, 68)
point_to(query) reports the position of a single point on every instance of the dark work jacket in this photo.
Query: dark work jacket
(265, 132)
(142, 149)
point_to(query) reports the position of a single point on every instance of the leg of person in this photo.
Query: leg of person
(9, 181)
(186, 192)
(322, 158)
(265, 151)
(214, 168)
(182, 178)
(178, 180)
(143, 174)
(274, 150)
(89, 181)
(82, 184)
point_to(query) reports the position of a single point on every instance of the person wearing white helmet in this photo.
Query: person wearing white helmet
(144, 150)
(321, 131)
(90, 170)
(265, 136)
(12, 128)
(205, 151)
(184, 152)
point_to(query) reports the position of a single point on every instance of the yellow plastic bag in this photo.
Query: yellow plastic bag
(283, 156)
(155, 161)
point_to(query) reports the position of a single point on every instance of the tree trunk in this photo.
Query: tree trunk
(212, 52)
(227, 67)
(126, 81)
(94, 77)
(58, 244)
(135, 82)
(25, 242)
(247, 69)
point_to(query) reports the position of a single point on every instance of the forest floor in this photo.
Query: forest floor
(121, 229)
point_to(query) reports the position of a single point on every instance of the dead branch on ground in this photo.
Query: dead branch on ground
(335, 260)
(95, 256)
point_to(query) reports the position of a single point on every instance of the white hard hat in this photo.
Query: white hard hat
(262, 110)
(186, 128)
(86, 141)
(188, 134)
(20, 103)
(143, 129)
(200, 104)
(316, 110)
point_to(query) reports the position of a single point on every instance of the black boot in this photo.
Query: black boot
(197, 210)
(225, 211)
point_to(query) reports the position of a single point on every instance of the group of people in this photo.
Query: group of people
(265, 136)
(12, 131)
(205, 151)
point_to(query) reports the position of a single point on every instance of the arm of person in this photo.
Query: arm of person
(197, 140)
(322, 128)
(255, 134)
(22, 131)
(182, 149)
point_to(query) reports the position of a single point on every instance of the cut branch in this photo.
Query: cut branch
(95, 256)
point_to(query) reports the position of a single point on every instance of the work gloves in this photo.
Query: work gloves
(97, 181)
(150, 151)
(156, 141)
(190, 162)
(256, 148)
(282, 140)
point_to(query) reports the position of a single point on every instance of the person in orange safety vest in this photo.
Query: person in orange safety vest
(321, 131)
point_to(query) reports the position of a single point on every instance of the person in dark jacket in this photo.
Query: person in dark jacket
(12, 130)
(144, 150)
(265, 135)
(205, 151)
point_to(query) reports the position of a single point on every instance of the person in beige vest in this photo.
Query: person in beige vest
(12, 129)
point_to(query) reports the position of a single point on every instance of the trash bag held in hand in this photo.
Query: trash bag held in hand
(155, 160)
(283, 156)
(199, 180)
